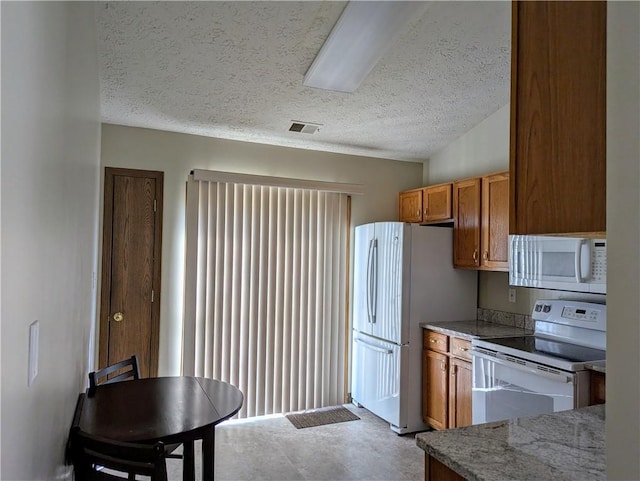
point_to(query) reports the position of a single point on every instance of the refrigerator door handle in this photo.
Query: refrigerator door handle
(374, 281)
(373, 347)
(369, 277)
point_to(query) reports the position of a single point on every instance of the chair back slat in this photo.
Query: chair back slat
(129, 367)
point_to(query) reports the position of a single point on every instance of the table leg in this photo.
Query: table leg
(188, 462)
(208, 453)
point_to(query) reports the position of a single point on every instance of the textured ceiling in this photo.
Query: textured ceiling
(234, 70)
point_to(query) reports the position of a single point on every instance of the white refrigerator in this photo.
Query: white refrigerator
(403, 275)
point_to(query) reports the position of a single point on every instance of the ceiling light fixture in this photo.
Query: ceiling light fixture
(359, 38)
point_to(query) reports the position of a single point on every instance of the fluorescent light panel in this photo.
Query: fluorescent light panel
(360, 37)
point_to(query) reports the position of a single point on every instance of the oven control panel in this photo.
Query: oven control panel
(580, 314)
(571, 313)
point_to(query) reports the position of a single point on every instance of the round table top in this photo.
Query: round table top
(168, 409)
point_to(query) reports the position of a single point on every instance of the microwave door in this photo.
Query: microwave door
(564, 260)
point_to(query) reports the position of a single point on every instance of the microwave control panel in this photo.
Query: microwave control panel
(599, 260)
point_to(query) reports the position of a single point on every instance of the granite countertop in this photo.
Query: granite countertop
(598, 366)
(475, 329)
(563, 446)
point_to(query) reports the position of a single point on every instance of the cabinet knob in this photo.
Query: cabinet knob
(442, 366)
(485, 256)
(418, 213)
(433, 340)
(118, 317)
(475, 255)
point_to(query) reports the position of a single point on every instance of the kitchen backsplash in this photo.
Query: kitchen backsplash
(506, 318)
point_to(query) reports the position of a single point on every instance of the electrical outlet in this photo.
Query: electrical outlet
(512, 294)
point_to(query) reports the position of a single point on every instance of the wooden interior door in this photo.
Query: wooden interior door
(131, 253)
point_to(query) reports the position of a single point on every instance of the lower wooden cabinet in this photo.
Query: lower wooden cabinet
(435, 387)
(460, 383)
(446, 381)
(434, 470)
(597, 387)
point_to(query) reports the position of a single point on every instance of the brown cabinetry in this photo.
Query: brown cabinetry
(410, 205)
(426, 205)
(466, 223)
(434, 470)
(597, 388)
(446, 381)
(481, 222)
(558, 112)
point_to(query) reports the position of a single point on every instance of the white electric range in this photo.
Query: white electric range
(540, 373)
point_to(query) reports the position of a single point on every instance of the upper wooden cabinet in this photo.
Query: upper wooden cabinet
(466, 227)
(558, 94)
(426, 205)
(495, 222)
(436, 203)
(410, 206)
(481, 222)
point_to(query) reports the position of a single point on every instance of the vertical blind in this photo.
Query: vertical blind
(265, 293)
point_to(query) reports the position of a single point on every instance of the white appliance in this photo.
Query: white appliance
(552, 262)
(403, 275)
(540, 373)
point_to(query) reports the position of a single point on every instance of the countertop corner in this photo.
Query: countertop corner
(563, 446)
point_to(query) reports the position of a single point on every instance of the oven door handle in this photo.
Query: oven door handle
(519, 367)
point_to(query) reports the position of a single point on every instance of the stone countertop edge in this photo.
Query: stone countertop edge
(598, 366)
(474, 329)
(563, 446)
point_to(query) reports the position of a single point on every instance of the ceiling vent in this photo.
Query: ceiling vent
(304, 127)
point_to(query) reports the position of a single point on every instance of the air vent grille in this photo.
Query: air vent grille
(304, 127)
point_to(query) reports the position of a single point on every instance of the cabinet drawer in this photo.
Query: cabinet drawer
(436, 341)
(460, 348)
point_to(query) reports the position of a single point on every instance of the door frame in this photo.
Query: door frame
(105, 288)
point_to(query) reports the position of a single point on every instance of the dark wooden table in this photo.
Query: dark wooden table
(168, 409)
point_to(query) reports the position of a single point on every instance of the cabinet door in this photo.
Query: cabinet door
(495, 222)
(435, 388)
(466, 218)
(460, 394)
(410, 206)
(436, 202)
(558, 113)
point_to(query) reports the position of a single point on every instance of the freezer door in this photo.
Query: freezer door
(389, 241)
(375, 380)
(363, 277)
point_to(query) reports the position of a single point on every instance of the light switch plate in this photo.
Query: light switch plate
(512, 294)
(34, 335)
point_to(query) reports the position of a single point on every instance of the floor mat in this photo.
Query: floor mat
(318, 417)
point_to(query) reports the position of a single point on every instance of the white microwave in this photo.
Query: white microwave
(567, 263)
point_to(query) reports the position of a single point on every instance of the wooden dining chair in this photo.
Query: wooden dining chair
(94, 456)
(127, 369)
(100, 459)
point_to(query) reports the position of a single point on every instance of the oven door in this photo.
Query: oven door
(506, 389)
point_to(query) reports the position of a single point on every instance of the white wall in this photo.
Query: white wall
(177, 154)
(623, 237)
(49, 186)
(482, 150)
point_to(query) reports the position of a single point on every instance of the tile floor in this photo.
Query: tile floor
(271, 448)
